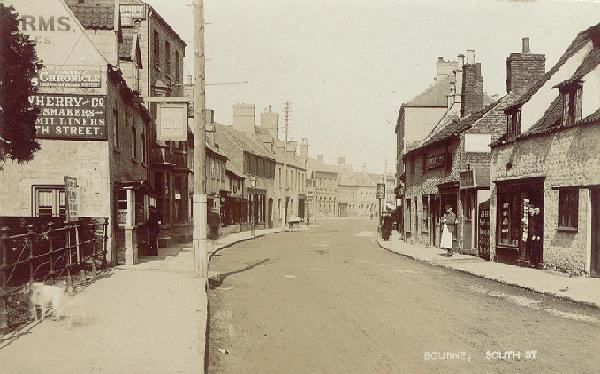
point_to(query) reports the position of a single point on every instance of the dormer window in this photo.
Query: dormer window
(571, 95)
(513, 124)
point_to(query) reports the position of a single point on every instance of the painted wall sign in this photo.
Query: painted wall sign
(437, 161)
(68, 77)
(71, 199)
(137, 11)
(73, 117)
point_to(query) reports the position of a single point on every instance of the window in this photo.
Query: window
(143, 144)
(49, 201)
(448, 160)
(568, 201)
(156, 48)
(408, 219)
(133, 142)
(412, 166)
(571, 104)
(513, 124)
(167, 57)
(425, 213)
(177, 68)
(116, 126)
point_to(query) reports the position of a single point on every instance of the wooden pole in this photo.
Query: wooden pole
(200, 204)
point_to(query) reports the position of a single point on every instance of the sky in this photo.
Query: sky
(347, 65)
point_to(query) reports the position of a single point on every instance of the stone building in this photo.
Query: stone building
(545, 201)
(322, 181)
(92, 127)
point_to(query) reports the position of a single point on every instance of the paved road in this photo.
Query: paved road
(329, 300)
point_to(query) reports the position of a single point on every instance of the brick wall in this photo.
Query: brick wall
(566, 158)
(523, 70)
(472, 89)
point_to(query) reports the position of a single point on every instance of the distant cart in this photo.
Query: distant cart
(295, 222)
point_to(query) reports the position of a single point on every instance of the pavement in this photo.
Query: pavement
(579, 289)
(146, 318)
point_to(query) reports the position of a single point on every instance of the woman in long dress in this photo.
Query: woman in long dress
(448, 224)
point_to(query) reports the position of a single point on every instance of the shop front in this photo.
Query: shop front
(474, 191)
(520, 221)
(447, 196)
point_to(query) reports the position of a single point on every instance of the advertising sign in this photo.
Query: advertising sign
(73, 117)
(436, 161)
(68, 77)
(172, 122)
(380, 191)
(483, 231)
(71, 199)
(131, 12)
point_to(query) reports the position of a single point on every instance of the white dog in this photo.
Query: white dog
(43, 295)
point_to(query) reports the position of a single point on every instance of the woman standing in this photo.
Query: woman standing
(448, 227)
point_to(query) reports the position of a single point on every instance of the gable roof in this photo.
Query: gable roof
(434, 95)
(233, 144)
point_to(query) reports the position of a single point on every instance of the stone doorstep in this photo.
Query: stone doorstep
(496, 275)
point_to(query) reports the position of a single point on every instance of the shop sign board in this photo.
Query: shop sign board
(68, 77)
(172, 122)
(435, 161)
(71, 199)
(380, 191)
(131, 12)
(70, 116)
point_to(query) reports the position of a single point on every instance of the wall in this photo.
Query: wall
(418, 123)
(567, 158)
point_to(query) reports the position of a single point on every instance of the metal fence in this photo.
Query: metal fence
(72, 252)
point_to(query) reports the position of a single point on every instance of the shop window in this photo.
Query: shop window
(49, 201)
(568, 202)
(509, 220)
(121, 196)
(425, 214)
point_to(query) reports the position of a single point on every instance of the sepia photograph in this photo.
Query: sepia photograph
(299, 186)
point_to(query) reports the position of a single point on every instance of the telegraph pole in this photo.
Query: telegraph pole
(200, 206)
(286, 116)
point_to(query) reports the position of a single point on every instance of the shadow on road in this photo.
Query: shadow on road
(215, 282)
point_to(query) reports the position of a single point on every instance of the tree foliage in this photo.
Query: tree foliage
(18, 66)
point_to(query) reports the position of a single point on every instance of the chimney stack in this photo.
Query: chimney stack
(321, 159)
(472, 86)
(303, 148)
(445, 68)
(270, 122)
(524, 69)
(244, 117)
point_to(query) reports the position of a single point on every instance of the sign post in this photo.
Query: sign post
(380, 196)
(71, 200)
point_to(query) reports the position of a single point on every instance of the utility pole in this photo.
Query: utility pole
(286, 117)
(200, 206)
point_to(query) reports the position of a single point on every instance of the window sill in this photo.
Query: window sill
(567, 229)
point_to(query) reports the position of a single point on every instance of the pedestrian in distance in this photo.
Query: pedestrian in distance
(448, 228)
(153, 230)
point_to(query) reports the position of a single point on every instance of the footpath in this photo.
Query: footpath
(579, 289)
(147, 318)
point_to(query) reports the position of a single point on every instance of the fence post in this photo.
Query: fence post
(51, 250)
(3, 285)
(94, 251)
(70, 287)
(82, 277)
(30, 236)
(105, 244)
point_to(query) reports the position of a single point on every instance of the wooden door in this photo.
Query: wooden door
(468, 221)
(595, 250)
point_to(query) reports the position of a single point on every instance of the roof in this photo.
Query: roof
(434, 95)
(215, 150)
(234, 171)
(579, 42)
(98, 17)
(233, 144)
(356, 178)
(551, 120)
(315, 165)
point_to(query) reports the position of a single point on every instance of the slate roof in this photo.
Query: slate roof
(97, 17)
(579, 42)
(233, 143)
(434, 95)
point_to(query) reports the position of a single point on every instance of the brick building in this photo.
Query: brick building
(545, 200)
(92, 127)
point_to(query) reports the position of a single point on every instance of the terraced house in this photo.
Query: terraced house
(545, 195)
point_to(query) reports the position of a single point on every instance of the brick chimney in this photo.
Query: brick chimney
(244, 117)
(270, 122)
(472, 86)
(304, 148)
(524, 69)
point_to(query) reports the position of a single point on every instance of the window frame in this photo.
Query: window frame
(56, 191)
(568, 209)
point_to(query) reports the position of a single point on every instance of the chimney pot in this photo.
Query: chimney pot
(470, 56)
(525, 43)
(440, 59)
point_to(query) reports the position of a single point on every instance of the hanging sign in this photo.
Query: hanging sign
(172, 122)
(71, 199)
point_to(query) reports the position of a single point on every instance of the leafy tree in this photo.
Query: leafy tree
(18, 66)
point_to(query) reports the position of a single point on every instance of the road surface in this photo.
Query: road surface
(329, 300)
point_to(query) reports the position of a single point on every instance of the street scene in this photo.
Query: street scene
(202, 186)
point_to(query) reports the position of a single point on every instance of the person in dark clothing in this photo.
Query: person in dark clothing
(386, 228)
(153, 229)
(214, 223)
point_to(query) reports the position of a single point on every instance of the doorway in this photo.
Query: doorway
(468, 205)
(595, 229)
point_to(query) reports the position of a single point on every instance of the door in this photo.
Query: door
(595, 244)
(467, 206)
(270, 214)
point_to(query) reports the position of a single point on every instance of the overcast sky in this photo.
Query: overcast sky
(348, 65)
